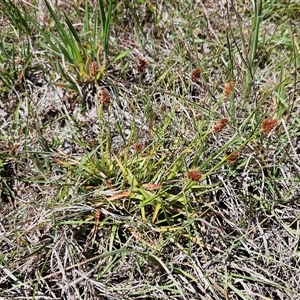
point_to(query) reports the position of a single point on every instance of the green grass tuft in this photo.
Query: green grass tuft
(149, 149)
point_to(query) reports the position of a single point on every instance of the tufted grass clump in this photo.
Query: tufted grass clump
(149, 149)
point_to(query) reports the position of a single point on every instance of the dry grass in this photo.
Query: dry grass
(173, 176)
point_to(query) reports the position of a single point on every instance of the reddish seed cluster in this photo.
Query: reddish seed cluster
(232, 157)
(194, 175)
(142, 65)
(221, 124)
(94, 69)
(138, 147)
(268, 125)
(195, 75)
(105, 97)
(228, 88)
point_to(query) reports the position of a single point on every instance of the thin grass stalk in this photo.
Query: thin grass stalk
(105, 24)
(254, 43)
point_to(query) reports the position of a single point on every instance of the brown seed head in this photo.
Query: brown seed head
(105, 97)
(142, 65)
(194, 175)
(232, 157)
(221, 124)
(195, 75)
(138, 147)
(228, 88)
(268, 125)
(94, 69)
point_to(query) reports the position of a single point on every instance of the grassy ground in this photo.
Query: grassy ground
(149, 150)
